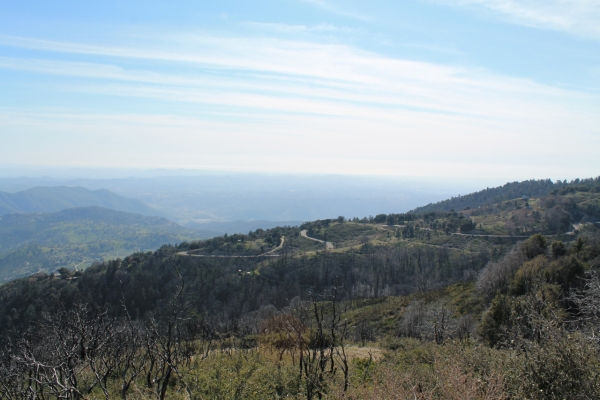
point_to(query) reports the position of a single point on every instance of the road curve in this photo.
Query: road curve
(267, 254)
(276, 248)
(328, 245)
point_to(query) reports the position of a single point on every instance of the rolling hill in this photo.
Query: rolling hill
(481, 288)
(511, 190)
(32, 242)
(48, 199)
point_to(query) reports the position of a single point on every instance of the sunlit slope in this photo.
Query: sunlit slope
(511, 190)
(32, 242)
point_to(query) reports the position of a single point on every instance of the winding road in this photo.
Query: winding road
(328, 245)
(267, 254)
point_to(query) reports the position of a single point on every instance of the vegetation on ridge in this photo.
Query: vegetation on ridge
(511, 190)
(493, 301)
(36, 242)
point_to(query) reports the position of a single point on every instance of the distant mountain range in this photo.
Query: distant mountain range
(261, 197)
(56, 198)
(49, 227)
(46, 228)
(32, 242)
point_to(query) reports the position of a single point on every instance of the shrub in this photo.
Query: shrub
(558, 249)
(563, 366)
(534, 246)
(528, 275)
(493, 325)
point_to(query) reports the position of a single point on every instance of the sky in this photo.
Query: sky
(485, 89)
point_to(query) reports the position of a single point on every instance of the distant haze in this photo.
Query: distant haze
(226, 197)
(57, 198)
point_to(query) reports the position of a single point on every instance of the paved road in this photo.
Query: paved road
(328, 245)
(267, 254)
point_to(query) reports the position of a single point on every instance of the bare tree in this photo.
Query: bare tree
(323, 350)
(169, 342)
(496, 276)
(133, 356)
(432, 322)
(587, 303)
(465, 327)
(413, 320)
(67, 354)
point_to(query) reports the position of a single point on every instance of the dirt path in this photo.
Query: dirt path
(486, 235)
(328, 245)
(267, 254)
(465, 234)
(276, 248)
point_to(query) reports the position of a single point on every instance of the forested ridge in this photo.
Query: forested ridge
(511, 190)
(75, 237)
(497, 300)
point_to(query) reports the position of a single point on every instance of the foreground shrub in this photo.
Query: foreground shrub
(563, 366)
(424, 370)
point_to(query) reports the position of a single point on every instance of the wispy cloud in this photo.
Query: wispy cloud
(225, 97)
(328, 6)
(578, 17)
(300, 77)
(294, 29)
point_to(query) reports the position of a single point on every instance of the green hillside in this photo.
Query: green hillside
(511, 190)
(33, 242)
(496, 301)
(56, 198)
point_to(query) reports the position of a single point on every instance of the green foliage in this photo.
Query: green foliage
(243, 374)
(537, 296)
(535, 246)
(387, 278)
(77, 237)
(496, 320)
(341, 233)
(467, 225)
(563, 366)
(566, 272)
(511, 190)
(558, 249)
(528, 276)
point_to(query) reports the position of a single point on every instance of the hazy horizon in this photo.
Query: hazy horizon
(491, 90)
(218, 197)
(53, 172)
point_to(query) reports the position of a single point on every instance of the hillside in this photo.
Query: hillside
(55, 198)
(383, 255)
(511, 190)
(435, 248)
(32, 242)
(488, 301)
(440, 248)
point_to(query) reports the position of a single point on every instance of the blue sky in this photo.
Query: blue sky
(457, 88)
